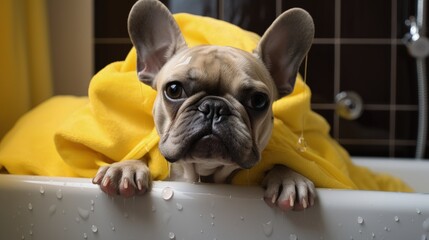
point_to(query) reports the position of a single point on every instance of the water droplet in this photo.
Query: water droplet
(42, 190)
(92, 208)
(85, 236)
(112, 227)
(373, 235)
(201, 215)
(212, 215)
(212, 224)
(94, 229)
(418, 211)
(22, 237)
(268, 228)
(293, 237)
(360, 220)
(30, 232)
(396, 219)
(92, 202)
(52, 209)
(426, 224)
(59, 194)
(386, 229)
(83, 213)
(179, 206)
(30, 206)
(171, 236)
(201, 231)
(167, 193)
(242, 218)
(302, 144)
(424, 237)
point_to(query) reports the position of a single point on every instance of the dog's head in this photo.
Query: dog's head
(214, 104)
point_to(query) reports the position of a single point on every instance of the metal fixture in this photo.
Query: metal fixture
(349, 105)
(418, 47)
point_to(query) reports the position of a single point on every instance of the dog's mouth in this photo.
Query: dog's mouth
(213, 148)
(209, 146)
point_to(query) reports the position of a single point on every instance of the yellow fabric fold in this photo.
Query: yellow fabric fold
(116, 124)
(29, 148)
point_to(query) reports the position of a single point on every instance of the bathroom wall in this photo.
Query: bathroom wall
(357, 48)
(71, 38)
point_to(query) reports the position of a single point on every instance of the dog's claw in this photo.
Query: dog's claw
(291, 201)
(273, 199)
(304, 203)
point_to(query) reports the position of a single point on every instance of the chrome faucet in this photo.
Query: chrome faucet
(417, 44)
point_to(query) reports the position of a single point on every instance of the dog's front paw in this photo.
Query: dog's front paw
(126, 178)
(288, 189)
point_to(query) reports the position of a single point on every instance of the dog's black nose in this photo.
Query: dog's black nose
(214, 109)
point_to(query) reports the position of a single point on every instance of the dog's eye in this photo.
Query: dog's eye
(259, 101)
(174, 90)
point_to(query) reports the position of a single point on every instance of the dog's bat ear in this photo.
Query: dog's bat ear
(156, 37)
(284, 45)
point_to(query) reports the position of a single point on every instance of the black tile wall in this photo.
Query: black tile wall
(406, 129)
(323, 13)
(365, 69)
(370, 125)
(207, 8)
(358, 47)
(375, 150)
(329, 117)
(108, 53)
(254, 16)
(406, 77)
(366, 19)
(110, 18)
(320, 74)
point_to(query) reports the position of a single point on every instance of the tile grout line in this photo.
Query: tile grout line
(375, 142)
(279, 7)
(337, 49)
(393, 79)
(370, 107)
(220, 8)
(359, 41)
(318, 41)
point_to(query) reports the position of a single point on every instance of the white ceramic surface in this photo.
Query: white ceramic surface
(70, 208)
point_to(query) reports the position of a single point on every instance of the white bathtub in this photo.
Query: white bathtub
(71, 208)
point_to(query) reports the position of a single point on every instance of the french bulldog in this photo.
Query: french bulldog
(213, 109)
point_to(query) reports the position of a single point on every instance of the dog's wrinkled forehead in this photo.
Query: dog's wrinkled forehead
(216, 66)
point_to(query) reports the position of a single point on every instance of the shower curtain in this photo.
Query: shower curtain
(25, 68)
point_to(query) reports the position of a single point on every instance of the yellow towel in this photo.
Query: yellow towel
(116, 124)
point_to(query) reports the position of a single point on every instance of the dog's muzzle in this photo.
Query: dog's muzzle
(214, 110)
